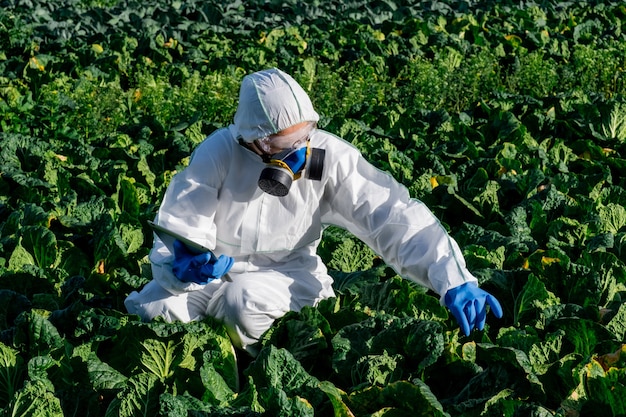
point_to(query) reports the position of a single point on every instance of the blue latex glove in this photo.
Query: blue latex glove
(468, 305)
(198, 268)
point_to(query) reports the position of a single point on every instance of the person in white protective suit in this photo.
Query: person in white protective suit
(259, 193)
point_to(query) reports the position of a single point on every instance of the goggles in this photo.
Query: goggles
(273, 144)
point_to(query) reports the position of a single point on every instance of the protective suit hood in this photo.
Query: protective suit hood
(270, 101)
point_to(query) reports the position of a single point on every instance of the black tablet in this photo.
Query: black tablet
(168, 237)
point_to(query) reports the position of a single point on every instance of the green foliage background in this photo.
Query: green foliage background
(507, 118)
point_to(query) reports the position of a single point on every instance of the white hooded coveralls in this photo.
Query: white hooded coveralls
(216, 202)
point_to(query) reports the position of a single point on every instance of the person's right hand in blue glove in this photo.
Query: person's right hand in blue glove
(468, 304)
(198, 268)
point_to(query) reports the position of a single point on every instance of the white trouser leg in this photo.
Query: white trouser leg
(250, 303)
(154, 300)
(247, 306)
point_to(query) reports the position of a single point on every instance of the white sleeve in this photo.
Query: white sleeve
(189, 206)
(377, 209)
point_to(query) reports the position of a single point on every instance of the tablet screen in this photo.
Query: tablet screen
(168, 237)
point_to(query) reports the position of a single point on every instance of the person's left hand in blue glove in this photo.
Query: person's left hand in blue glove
(468, 304)
(198, 268)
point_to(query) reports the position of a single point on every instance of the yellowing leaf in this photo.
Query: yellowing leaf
(171, 43)
(100, 267)
(594, 369)
(35, 64)
(97, 48)
(545, 261)
(514, 40)
(610, 359)
(468, 351)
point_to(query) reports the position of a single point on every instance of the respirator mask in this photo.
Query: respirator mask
(297, 159)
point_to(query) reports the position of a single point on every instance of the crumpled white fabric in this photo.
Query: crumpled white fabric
(273, 240)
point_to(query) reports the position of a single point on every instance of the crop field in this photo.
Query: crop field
(507, 118)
